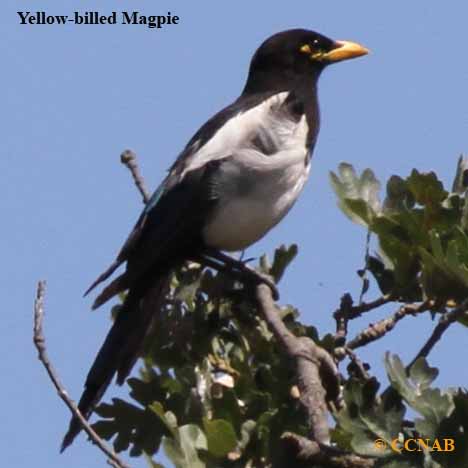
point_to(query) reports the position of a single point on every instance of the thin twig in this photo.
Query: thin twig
(341, 317)
(357, 364)
(347, 311)
(129, 159)
(39, 342)
(357, 311)
(375, 331)
(317, 374)
(324, 455)
(444, 323)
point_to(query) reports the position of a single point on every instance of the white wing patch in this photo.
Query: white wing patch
(236, 133)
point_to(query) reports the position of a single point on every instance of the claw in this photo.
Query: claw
(240, 268)
(248, 260)
(271, 284)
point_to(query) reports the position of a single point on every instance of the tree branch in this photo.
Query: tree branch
(39, 342)
(357, 311)
(347, 311)
(444, 323)
(324, 455)
(375, 331)
(128, 158)
(356, 366)
(317, 375)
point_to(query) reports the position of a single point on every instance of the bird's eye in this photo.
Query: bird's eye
(312, 47)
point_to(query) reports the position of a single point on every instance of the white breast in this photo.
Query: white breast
(279, 178)
(243, 221)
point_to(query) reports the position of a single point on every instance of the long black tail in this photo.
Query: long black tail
(121, 347)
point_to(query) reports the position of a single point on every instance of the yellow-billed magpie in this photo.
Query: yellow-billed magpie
(237, 178)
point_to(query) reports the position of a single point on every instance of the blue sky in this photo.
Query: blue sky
(74, 97)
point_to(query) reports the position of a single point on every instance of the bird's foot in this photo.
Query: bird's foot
(239, 268)
(258, 277)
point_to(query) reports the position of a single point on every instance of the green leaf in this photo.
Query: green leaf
(364, 445)
(221, 437)
(444, 273)
(167, 418)
(460, 182)
(384, 276)
(283, 257)
(193, 436)
(429, 402)
(426, 188)
(403, 259)
(131, 425)
(366, 418)
(369, 190)
(227, 407)
(399, 196)
(358, 196)
(247, 429)
(181, 458)
(358, 211)
(105, 428)
(455, 428)
(421, 374)
(183, 449)
(151, 462)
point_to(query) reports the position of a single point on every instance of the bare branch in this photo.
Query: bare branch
(375, 331)
(341, 316)
(323, 455)
(357, 365)
(357, 311)
(444, 323)
(317, 374)
(39, 342)
(129, 159)
(347, 311)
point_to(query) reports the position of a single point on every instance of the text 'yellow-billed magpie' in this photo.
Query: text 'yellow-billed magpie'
(237, 178)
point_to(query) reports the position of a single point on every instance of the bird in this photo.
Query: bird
(236, 178)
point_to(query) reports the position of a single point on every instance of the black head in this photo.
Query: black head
(296, 57)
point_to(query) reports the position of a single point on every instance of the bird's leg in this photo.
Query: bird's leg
(218, 266)
(237, 267)
(209, 262)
